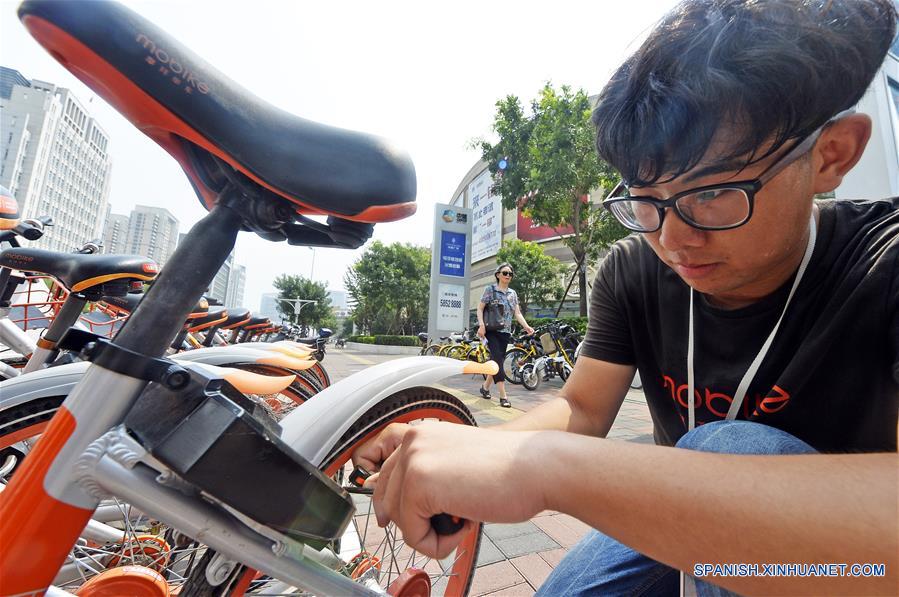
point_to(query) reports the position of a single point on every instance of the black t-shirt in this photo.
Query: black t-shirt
(831, 376)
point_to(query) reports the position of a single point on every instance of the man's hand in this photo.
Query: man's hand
(375, 451)
(476, 474)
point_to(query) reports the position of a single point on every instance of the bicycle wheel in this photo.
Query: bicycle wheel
(302, 388)
(450, 576)
(444, 349)
(512, 364)
(432, 350)
(20, 426)
(319, 371)
(128, 536)
(457, 352)
(531, 376)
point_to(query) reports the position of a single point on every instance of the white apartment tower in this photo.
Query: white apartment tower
(218, 288)
(153, 233)
(237, 282)
(115, 235)
(55, 159)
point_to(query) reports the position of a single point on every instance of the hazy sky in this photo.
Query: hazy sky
(425, 74)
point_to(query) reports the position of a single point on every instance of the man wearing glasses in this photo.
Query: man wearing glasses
(764, 324)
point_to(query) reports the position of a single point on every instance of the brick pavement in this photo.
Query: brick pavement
(515, 559)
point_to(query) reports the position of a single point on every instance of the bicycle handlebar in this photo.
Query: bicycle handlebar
(30, 229)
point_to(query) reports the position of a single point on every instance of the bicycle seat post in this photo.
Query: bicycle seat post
(160, 315)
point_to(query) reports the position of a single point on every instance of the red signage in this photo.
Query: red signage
(528, 230)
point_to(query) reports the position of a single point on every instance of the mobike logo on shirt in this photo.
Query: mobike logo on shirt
(171, 67)
(718, 403)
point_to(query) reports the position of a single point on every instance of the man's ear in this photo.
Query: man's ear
(839, 148)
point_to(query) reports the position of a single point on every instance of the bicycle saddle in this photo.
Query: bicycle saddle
(236, 318)
(188, 107)
(214, 316)
(256, 323)
(9, 210)
(199, 310)
(127, 303)
(77, 271)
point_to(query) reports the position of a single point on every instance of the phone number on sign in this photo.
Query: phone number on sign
(862, 570)
(448, 303)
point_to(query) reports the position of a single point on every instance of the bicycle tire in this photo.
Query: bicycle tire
(432, 350)
(457, 352)
(564, 371)
(27, 421)
(408, 405)
(530, 377)
(512, 364)
(319, 371)
(444, 349)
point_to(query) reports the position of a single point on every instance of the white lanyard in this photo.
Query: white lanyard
(756, 363)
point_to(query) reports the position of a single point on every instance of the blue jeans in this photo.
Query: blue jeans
(599, 565)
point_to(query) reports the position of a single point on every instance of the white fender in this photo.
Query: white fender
(44, 383)
(59, 380)
(314, 427)
(242, 353)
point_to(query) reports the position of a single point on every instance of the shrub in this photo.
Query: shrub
(386, 340)
(361, 339)
(578, 323)
(397, 340)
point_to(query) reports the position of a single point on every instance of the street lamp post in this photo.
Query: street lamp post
(297, 304)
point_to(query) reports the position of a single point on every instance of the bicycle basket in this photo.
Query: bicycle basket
(35, 301)
(547, 343)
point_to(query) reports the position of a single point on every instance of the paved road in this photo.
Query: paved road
(515, 559)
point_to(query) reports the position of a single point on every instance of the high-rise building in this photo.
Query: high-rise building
(54, 158)
(268, 306)
(228, 284)
(153, 233)
(10, 77)
(218, 289)
(236, 286)
(115, 235)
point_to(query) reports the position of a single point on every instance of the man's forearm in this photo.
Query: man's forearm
(682, 508)
(557, 415)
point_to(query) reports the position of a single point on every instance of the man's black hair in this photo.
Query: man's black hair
(766, 71)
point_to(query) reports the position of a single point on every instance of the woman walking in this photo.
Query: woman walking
(500, 296)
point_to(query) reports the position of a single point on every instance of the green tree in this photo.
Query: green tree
(552, 168)
(388, 287)
(311, 315)
(537, 275)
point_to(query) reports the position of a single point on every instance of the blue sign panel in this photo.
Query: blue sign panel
(452, 254)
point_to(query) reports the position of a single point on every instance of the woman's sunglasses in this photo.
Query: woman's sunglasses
(506, 274)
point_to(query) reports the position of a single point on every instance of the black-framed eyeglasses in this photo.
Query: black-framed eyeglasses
(711, 207)
(506, 274)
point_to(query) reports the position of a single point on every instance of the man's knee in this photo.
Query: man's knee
(742, 437)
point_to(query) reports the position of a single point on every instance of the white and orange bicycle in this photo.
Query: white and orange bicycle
(273, 504)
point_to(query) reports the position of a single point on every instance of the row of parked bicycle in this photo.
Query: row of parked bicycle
(549, 352)
(46, 290)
